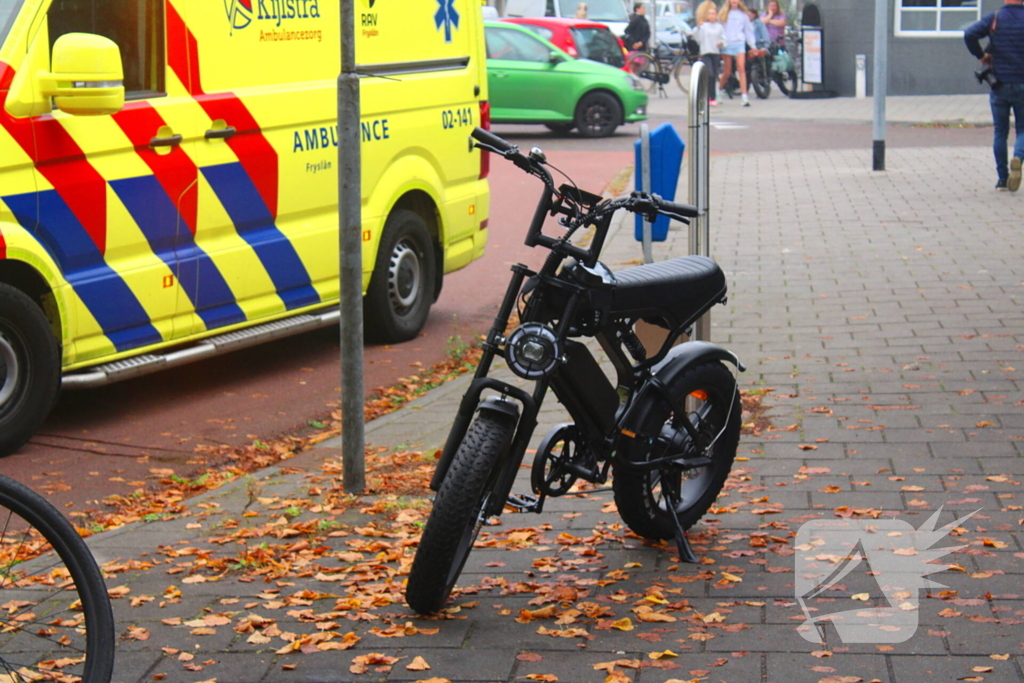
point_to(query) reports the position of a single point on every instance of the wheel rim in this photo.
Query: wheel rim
(597, 117)
(9, 371)
(405, 275)
(690, 486)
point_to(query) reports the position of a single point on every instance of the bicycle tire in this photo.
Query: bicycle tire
(57, 623)
(759, 80)
(787, 82)
(639, 496)
(455, 519)
(641, 63)
(681, 74)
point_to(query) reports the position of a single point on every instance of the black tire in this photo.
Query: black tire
(682, 75)
(29, 368)
(787, 82)
(759, 80)
(560, 128)
(643, 67)
(598, 114)
(46, 564)
(401, 290)
(456, 518)
(638, 495)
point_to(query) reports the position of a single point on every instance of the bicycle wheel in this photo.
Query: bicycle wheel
(787, 82)
(458, 512)
(643, 66)
(759, 80)
(682, 75)
(56, 623)
(713, 408)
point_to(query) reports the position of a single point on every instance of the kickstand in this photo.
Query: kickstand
(686, 553)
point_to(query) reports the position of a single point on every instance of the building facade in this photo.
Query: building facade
(927, 55)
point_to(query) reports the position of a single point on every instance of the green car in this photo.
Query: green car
(532, 81)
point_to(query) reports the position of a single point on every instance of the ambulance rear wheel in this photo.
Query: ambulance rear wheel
(401, 289)
(29, 368)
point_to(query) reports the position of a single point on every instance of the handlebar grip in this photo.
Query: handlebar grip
(687, 210)
(489, 138)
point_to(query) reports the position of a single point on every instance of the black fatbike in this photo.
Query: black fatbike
(668, 431)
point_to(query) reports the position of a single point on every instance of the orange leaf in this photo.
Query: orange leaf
(417, 664)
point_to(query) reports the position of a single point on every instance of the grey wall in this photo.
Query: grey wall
(917, 66)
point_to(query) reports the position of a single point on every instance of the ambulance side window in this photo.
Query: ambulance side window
(137, 26)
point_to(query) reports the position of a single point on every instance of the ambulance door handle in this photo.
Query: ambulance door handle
(170, 141)
(220, 133)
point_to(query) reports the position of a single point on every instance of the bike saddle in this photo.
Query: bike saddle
(680, 289)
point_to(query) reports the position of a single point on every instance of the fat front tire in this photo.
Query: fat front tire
(713, 403)
(457, 516)
(598, 114)
(29, 368)
(56, 600)
(401, 289)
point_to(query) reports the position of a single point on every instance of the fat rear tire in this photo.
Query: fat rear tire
(638, 495)
(29, 368)
(401, 289)
(455, 520)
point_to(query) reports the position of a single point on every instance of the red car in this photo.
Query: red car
(580, 38)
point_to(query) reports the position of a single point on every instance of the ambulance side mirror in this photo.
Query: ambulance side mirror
(86, 76)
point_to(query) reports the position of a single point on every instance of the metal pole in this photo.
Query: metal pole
(351, 249)
(645, 186)
(699, 172)
(879, 81)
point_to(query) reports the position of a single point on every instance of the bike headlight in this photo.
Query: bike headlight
(532, 351)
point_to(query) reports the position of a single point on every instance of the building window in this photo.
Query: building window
(930, 18)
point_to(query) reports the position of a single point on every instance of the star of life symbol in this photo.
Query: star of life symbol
(446, 16)
(889, 553)
(239, 13)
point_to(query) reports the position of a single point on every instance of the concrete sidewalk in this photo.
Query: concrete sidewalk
(881, 314)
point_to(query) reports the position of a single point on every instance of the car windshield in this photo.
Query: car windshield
(597, 10)
(599, 45)
(8, 10)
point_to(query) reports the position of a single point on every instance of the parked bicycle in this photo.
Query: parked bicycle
(786, 61)
(56, 622)
(669, 64)
(668, 430)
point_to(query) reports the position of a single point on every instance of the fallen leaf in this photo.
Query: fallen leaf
(417, 664)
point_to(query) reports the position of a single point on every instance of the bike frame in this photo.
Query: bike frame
(596, 406)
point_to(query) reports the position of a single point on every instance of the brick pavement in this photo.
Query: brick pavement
(882, 315)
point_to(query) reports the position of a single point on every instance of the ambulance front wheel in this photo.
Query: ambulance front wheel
(401, 288)
(29, 368)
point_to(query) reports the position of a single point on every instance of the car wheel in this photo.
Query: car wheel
(598, 114)
(401, 290)
(560, 128)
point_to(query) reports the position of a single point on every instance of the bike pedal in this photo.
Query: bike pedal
(524, 502)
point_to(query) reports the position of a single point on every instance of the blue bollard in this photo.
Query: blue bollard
(666, 161)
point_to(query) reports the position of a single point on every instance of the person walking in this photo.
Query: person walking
(638, 32)
(1004, 55)
(739, 35)
(710, 36)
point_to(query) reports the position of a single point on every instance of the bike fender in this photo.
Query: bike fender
(686, 355)
(500, 405)
(680, 359)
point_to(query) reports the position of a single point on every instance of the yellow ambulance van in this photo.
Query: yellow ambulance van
(168, 179)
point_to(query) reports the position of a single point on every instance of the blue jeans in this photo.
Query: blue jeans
(1007, 97)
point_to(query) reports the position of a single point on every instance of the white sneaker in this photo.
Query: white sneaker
(746, 100)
